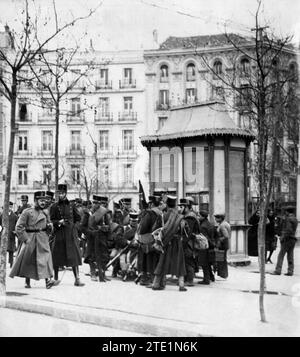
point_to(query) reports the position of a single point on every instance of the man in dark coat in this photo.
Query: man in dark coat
(66, 250)
(171, 261)
(209, 231)
(189, 230)
(150, 220)
(287, 241)
(224, 235)
(11, 243)
(252, 234)
(34, 260)
(99, 227)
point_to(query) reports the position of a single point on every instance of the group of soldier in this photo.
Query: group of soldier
(164, 239)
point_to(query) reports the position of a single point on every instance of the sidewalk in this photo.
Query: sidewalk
(224, 308)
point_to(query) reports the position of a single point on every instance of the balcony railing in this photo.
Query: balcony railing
(26, 153)
(104, 117)
(46, 117)
(75, 151)
(164, 79)
(102, 84)
(128, 116)
(162, 106)
(24, 119)
(45, 153)
(127, 84)
(190, 77)
(78, 117)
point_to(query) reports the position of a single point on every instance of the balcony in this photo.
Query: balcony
(45, 153)
(75, 118)
(46, 118)
(125, 83)
(75, 151)
(103, 117)
(163, 106)
(164, 79)
(22, 153)
(24, 119)
(127, 116)
(102, 84)
(190, 77)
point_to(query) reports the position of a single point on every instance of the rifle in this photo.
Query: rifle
(116, 257)
(130, 268)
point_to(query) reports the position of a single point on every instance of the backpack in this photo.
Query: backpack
(201, 242)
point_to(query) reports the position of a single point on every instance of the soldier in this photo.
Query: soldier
(171, 261)
(127, 258)
(190, 226)
(147, 256)
(83, 225)
(34, 259)
(11, 243)
(204, 259)
(99, 226)
(24, 205)
(224, 234)
(125, 205)
(66, 250)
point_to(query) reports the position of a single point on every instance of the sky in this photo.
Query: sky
(129, 24)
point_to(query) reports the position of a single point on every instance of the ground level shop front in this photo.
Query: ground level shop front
(200, 152)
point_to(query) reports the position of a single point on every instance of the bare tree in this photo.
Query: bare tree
(256, 85)
(26, 47)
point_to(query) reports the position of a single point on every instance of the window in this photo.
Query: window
(292, 157)
(218, 92)
(163, 99)
(164, 73)
(23, 112)
(292, 189)
(23, 174)
(128, 104)
(75, 106)
(47, 174)
(172, 168)
(47, 140)
(191, 95)
(104, 105)
(128, 174)
(217, 67)
(161, 122)
(23, 141)
(293, 73)
(75, 140)
(245, 66)
(190, 72)
(104, 75)
(245, 96)
(75, 174)
(104, 174)
(127, 75)
(103, 142)
(277, 157)
(127, 140)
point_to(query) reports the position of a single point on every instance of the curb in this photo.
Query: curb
(120, 320)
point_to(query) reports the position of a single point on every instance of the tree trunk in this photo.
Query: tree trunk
(5, 217)
(57, 112)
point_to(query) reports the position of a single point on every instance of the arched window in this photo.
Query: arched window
(245, 66)
(190, 72)
(217, 67)
(164, 73)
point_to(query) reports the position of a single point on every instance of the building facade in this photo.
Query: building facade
(189, 70)
(101, 119)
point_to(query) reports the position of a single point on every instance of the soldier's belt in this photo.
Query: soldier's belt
(36, 230)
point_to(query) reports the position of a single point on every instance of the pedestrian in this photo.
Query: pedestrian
(205, 257)
(24, 205)
(99, 227)
(11, 243)
(271, 237)
(224, 235)
(66, 250)
(287, 241)
(150, 220)
(34, 260)
(171, 261)
(190, 229)
(252, 234)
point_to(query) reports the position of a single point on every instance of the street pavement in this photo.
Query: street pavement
(225, 308)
